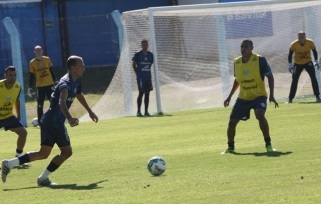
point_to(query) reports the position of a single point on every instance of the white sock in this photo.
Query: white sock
(45, 174)
(13, 162)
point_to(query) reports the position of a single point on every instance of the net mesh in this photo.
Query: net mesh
(195, 51)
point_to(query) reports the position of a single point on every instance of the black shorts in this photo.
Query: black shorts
(144, 85)
(242, 108)
(10, 123)
(51, 135)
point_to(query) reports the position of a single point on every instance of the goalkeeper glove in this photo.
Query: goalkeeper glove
(30, 92)
(317, 65)
(290, 67)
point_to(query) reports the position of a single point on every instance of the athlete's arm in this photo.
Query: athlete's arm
(234, 88)
(271, 87)
(64, 109)
(315, 54)
(134, 64)
(52, 75)
(31, 79)
(84, 103)
(290, 56)
(17, 106)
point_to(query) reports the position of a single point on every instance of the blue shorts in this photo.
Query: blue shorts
(51, 135)
(10, 123)
(144, 85)
(242, 108)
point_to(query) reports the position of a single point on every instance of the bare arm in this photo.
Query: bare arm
(84, 103)
(134, 65)
(64, 109)
(271, 87)
(17, 107)
(234, 88)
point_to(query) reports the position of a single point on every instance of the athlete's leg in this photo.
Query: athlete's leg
(22, 137)
(139, 101)
(295, 79)
(231, 131)
(40, 101)
(315, 86)
(48, 92)
(264, 125)
(146, 102)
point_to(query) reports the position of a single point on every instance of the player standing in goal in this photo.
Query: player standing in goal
(302, 60)
(53, 130)
(250, 70)
(40, 68)
(142, 62)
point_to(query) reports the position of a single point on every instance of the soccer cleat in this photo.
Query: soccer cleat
(229, 150)
(147, 114)
(5, 170)
(45, 182)
(269, 148)
(139, 114)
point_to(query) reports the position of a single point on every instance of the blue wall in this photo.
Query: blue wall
(92, 32)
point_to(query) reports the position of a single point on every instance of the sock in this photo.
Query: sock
(230, 145)
(18, 152)
(45, 174)
(13, 162)
(267, 141)
(50, 168)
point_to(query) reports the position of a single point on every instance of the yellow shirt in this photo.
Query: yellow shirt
(248, 76)
(8, 98)
(41, 69)
(302, 53)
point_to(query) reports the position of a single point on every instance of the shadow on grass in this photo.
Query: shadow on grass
(267, 154)
(308, 102)
(74, 186)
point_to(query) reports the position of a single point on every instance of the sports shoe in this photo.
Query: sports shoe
(5, 170)
(45, 182)
(289, 101)
(139, 114)
(269, 148)
(318, 100)
(229, 150)
(147, 114)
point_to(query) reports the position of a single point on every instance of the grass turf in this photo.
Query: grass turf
(110, 158)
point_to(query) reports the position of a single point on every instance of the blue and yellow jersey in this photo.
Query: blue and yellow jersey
(250, 76)
(302, 53)
(41, 69)
(8, 98)
(144, 63)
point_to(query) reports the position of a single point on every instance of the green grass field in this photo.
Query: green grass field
(110, 157)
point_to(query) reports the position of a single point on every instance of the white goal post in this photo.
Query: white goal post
(194, 47)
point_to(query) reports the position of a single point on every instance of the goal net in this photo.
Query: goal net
(194, 48)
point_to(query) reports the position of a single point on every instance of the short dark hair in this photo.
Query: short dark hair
(248, 41)
(143, 41)
(72, 61)
(11, 68)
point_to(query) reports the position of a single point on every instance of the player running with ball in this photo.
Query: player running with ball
(52, 124)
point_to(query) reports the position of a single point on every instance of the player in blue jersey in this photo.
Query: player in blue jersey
(52, 123)
(142, 62)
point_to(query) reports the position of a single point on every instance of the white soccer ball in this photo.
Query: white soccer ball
(156, 166)
(34, 122)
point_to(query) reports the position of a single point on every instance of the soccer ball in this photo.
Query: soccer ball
(34, 122)
(156, 166)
